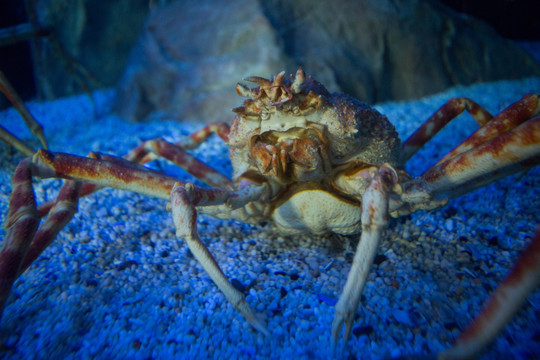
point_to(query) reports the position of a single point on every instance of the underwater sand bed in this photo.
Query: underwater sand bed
(118, 284)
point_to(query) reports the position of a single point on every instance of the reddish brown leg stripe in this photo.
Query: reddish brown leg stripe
(61, 214)
(10, 139)
(507, 299)
(119, 174)
(220, 129)
(188, 162)
(87, 189)
(437, 121)
(515, 150)
(141, 155)
(13, 97)
(21, 226)
(508, 119)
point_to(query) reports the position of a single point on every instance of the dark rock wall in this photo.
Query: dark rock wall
(191, 53)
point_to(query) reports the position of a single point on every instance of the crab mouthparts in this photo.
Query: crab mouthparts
(295, 155)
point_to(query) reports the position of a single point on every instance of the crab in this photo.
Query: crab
(308, 161)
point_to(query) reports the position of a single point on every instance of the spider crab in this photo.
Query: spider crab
(310, 162)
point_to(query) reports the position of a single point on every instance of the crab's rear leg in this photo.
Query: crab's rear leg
(505, 301)
(21, 225)
(509, 118)
(156, 148)
(440, 119)
(509, 153)
(22, 244)
(374, 220)
(194, 140)
(33, 125)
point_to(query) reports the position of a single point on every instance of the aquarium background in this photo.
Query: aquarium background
(117, 283)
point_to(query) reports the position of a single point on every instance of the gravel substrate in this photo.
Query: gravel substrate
(117, 283)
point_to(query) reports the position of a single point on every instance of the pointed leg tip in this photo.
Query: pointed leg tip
(257, 324)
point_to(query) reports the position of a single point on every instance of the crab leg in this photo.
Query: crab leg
(122, 174)
(189, 143)
(440, 119)
(512, 116)
(184, 200)
(145, 153)
(513, 151)
(502, 305)
(33, 125)
(10, 139)
(60, 215)
(21, 225)
(117, 173)
(374, 220)
(152, 149)
(23, 244)
(195, 139)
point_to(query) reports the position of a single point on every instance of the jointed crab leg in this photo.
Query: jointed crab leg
(33, 125)
(184, 200)
(147, 152)
(513, 151)
(177, 155)
(9, 138)
(374, 221)
(437, 121)
(23, 244)
(125, 175)
(195, 139)
(122, 174)
(511, 117)
(502, 304)
(60, 215)
(21, 225)
(118, 173)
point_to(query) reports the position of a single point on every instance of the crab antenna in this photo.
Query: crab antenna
(298, 81)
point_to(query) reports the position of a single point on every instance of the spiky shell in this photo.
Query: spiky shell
(352, 131)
